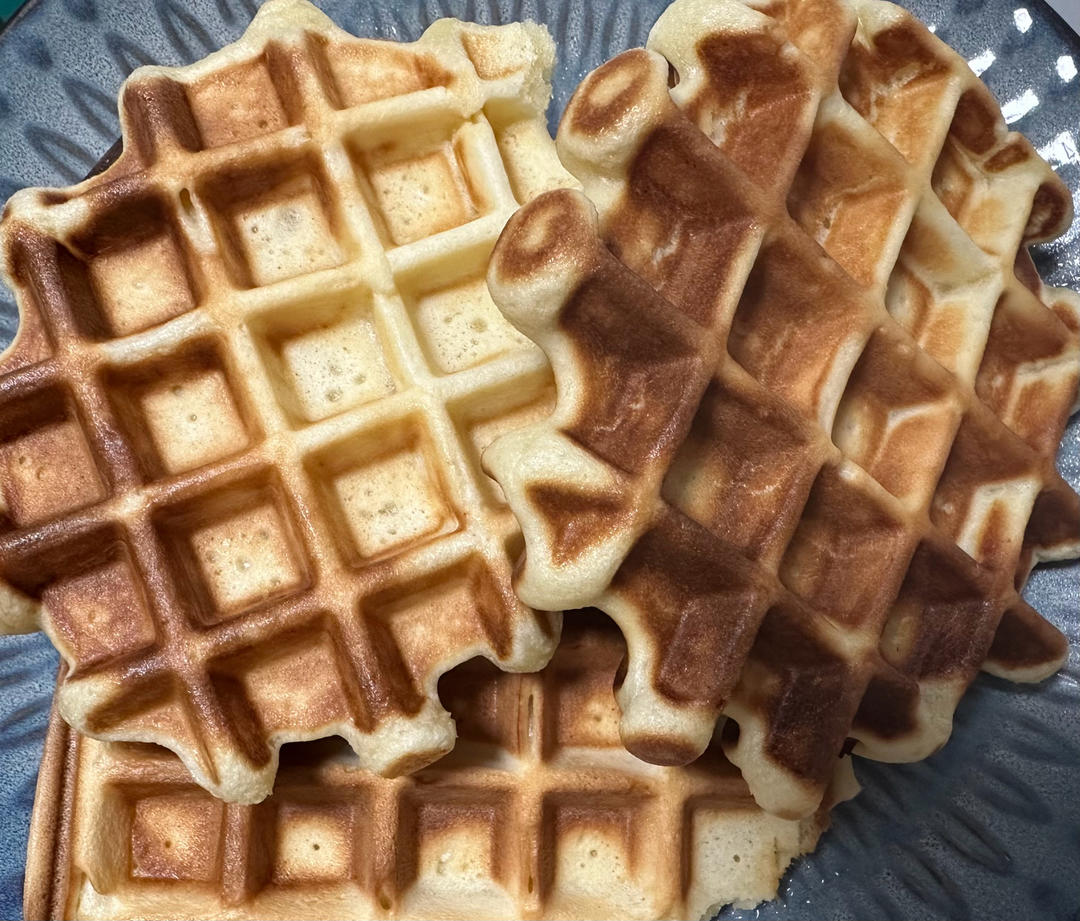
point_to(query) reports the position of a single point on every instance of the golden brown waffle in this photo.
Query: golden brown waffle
(240, 426)
(538, 812)
(810, 386)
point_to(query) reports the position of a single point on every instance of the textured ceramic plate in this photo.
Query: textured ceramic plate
(989, 827)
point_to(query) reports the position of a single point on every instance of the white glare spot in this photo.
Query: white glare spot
(932, 27)
(1017, 108)
(1060, 150)
(1066, 68)
(981, 62)
(1022, 18)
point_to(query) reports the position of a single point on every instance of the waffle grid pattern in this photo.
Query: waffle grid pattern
(538, 812)
(886, 461)
(235, 344)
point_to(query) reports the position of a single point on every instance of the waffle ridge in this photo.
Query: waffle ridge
(240, 424)
(811, 480)
(539, 812)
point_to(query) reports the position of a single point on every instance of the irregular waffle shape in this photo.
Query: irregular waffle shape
(539, 812)
(240, 426)
(810, 387)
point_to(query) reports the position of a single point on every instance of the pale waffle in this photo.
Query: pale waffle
(810, 386)
(240, 426)
(539, 812)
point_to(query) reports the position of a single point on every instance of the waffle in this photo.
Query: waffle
(539, 812)
(810, 386)
(240, 425)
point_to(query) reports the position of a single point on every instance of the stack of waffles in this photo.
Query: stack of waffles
(811, 472)
(760, 368)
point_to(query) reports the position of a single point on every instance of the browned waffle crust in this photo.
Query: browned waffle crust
(810, 386)
(240, 426)
(538, 812)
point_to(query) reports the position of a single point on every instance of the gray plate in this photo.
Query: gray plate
(989, 827)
